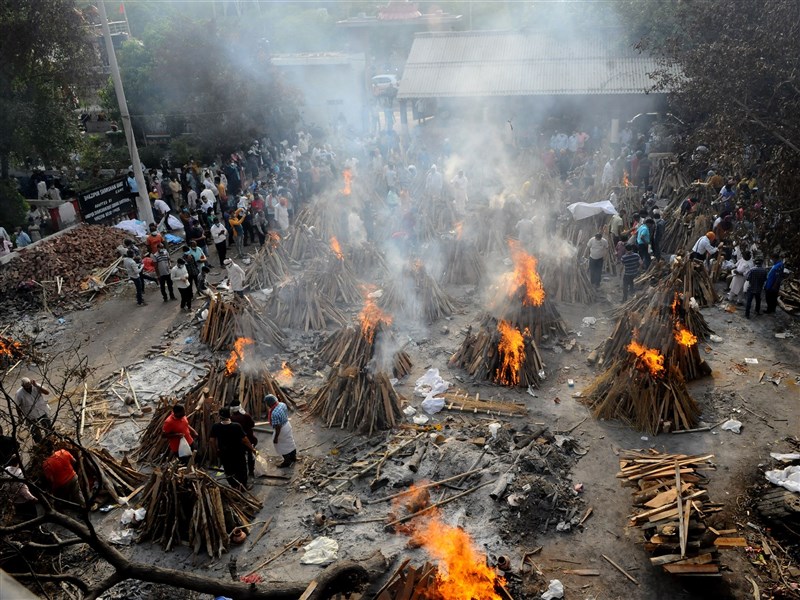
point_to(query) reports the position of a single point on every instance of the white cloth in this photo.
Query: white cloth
(597, 248)
(584, 210)
(219, 233)
(31, 405)
(235, 276)
(703, 245)
(737, 283)
(285, 443)
(19, 491)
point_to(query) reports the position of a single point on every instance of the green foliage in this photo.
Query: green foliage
(44, 56)
(13, 207)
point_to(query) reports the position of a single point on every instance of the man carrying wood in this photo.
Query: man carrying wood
(231, 443)
(282, 438)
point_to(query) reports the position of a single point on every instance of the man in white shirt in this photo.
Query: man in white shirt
(460, 183)
(32, 408)
(219, 235)
(597, 248)
(608, 173)
(235, 277)
(133, 270)
(704, 248)
(163, 211)
(207, 201)
(191, 200)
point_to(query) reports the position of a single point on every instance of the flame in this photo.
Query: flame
(512, 353)
(371, 316)
(274, 239)
(459, 229)
(625, 181)
(9, 347)
(337, 249)
(684, 337)
(675, 304)
(649, 358)
(236, 354)
(285, 376)
(462, 572)
(348, 177)
(525, 276)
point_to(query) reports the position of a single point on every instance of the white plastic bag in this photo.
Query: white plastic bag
(432, 405)
(554, 590)
(788, 478)
(320, 551)
(261, 466)
(732, 425)
(431, 384)
(184, 449)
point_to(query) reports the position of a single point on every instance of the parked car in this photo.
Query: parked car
(381, 84)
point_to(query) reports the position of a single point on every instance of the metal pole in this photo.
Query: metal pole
(142, 202)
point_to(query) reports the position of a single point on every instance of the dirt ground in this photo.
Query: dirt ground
(115, 333)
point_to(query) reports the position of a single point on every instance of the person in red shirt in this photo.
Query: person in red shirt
(154, 239)
(59, 470)
(176, 426)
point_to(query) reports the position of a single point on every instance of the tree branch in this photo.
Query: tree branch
(109, 582)
(77, 581)
(759, 122)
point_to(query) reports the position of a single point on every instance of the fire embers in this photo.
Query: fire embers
(11, 350)
(460, 572)
(525, 282)
(501, 353)
(347, 176)
(648, 360)
(237, 354)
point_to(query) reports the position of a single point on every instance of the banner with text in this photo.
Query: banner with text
(104, 203)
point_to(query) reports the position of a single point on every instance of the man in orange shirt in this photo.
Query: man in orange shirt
(59, 470)
(176, 426)
(154, 239)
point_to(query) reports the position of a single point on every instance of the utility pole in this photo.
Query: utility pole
(142, 202)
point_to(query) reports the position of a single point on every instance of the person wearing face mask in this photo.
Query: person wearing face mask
(239, 415)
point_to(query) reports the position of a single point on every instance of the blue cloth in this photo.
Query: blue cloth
(132, 185)
(279, 415)
(643, 234)
(775, 277)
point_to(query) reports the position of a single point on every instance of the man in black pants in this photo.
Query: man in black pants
(231, 444)
(240, 416)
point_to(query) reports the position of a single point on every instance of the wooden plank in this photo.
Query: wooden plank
(309, 590)
(679, 499)
(736, 542)
(691, 569)
(666, 497)
(703, 559)
(687, 513)
(620, 569)
(408, 588)
(582, 572)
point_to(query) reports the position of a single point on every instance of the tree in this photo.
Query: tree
(45, 58)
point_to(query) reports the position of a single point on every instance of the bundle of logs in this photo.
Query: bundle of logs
(697, 283)
(304, 244)
(357, 399)
(789, 298)
(415, 293)
(376, 350)
(70, 257)
(539, 320)
(298, 304)
(234, 317)
(567, 281)
(366, 258)
(499, 352)
(668, 178)
(463, 263)
(419, 582)
(187, 506)
(270, 265)
(493, 230)
(681, 233)
(118, 479)
(335, 278)
(673, 511)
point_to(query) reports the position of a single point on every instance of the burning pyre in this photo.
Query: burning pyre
(229, 319)
(416, 293)
(521, 299)
(298, 303)
(499, 352)
(11, 350)
(463, 264)
(358, 393)
(335, 277)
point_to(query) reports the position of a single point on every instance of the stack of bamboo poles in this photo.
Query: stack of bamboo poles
(269, 267)
(367, 258)
(415, 292)
(668, 177)
(249, 386)
(538, 320)
(567, 281)
(681, 233)
(188, 506)
(299, 304)
(325, 218)
(696, 281)
(232, 318)
(493, 232)
(335, 279)
(304, 244)
(357, 400)
(117, 478)
(461, 401)
(483, 357)
(463, 262)
(672, 507)
(378, 351)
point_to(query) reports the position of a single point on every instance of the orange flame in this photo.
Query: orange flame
(237, 354)
(274, 238)
(462, 572)
(649, 358)
(459, 228)
(285, 376)
(371, 316)
(10, 347)
(337, 249)
(625, 181)
(512, 352)
(348, 177)
(684, 337)
(525, 277)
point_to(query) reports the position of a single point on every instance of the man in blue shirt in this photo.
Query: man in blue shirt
(773, 285)
(643, 241)
(23, 239)
(133, 187)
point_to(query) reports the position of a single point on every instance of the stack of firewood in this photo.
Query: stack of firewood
(367, 258)
(463, 264)
(186, 505)
(789, 298)
(71, 257)
(270, 265)
(232, 318)
(673, 511)
(335, 279)
(304, 244)
(696, 281)
(540, 320)
(299, 304)
(489, 355)
(423, 583)
(493, 230)
(378, 350)
(116, 478)
(358, 400)
(415, 293)
(567, 281)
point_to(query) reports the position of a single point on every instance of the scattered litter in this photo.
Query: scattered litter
(751, 361)
(783, 336)
(531, 391)
(189, 340)
(563, 526)
(788, 478)
(121, 538)
(554, 590)
(570, 382)
(130, 516)
(432, 405)
(732, 425)
(715, 338)
(345, 504)
(375, 294)
(515, 499)
(644, 438)
(493, 429)
(588, 321)
(429, 386)
(578, 487)
(693, 304)
(421, 419)
(320, 551)
(409, 411)
(785, 457)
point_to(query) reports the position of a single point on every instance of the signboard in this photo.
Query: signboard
(104, 203)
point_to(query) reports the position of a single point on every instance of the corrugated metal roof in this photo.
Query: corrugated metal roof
(500, 63)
